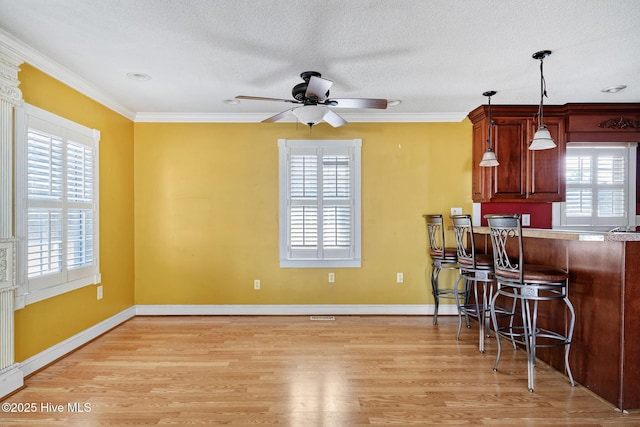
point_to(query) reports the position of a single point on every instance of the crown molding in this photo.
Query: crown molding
(200, 117)
(143, 117)
(45, 64)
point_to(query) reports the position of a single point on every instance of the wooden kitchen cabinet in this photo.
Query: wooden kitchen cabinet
(546, 168)
(523, 175)
(603, 122)
(480, 181)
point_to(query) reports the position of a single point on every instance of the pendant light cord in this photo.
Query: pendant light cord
(543, 94)
(490, 124)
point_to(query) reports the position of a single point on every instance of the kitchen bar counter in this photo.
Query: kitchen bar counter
(602, 236)
(604, 287)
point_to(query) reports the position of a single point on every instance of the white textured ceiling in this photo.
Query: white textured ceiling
(437, 56)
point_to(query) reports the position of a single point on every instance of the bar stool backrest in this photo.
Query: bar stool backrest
(465, 242)
(505, 229)
(435, 235)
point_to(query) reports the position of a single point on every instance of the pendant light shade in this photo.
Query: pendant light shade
(489, 158)
(542, 138)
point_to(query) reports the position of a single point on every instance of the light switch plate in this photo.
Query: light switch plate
(526, 220)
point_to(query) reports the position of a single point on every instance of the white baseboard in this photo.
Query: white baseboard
(293, 309)
(11, 379)
(56, 351)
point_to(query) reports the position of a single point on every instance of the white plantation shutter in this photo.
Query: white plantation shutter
(79, 238)
(336, 193)
(320, 203)
(303, 207)
(80, 173)
(44, 162)
(598, 190)
(57, 166)
(80, 198)
(44, 242)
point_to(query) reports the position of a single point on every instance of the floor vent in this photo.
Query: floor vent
(322, 317)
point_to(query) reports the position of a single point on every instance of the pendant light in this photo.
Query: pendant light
(542, 138)
(489, 158)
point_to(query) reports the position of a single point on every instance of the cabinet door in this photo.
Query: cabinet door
(546, 168)
(480, 176)
(508, 181)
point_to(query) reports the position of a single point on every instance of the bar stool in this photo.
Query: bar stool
(442, 258)
(475, 269)
(528, 285)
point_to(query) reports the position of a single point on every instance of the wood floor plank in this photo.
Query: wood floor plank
(288, 370)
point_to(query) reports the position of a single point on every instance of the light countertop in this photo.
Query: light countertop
(601, 236)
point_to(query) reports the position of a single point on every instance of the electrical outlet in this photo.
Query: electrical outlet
(99, 292)
(332, 277)
(456, 211)
(256, 284)
(526, 220)
(399, 277)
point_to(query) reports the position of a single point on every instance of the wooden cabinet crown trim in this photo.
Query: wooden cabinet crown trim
(614, 111)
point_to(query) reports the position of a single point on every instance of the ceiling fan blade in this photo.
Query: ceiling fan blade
(333, 119)
(261, 98)
(357, 103)
(318, 88)
(277, 117)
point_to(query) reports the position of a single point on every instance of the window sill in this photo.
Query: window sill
(53, 291)
(316, 263)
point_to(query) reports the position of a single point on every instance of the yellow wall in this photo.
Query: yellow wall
(206, 213)
(43, 324)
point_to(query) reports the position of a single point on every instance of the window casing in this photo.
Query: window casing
(600, 184)
(320, 203)
(57, 213)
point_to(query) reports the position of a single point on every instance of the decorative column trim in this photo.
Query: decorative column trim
(11, 377)
(10, 97)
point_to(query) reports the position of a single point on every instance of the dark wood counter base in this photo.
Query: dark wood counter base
(604, 287)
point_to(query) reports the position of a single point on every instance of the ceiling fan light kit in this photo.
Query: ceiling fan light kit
(310, 115)
(313, 95)
(542, 138)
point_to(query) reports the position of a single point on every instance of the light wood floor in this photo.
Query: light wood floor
(354, 371)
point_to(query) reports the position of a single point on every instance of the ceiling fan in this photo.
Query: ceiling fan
(313, 97)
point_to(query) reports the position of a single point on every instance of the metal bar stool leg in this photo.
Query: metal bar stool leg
(494, 319)
(481, 310)
(435, 272)
(457, 296)
(572, 322)
(529, 333)
(465, 298)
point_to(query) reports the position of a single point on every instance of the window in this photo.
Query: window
(320, 203)
(599, 190)
(57, 185)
